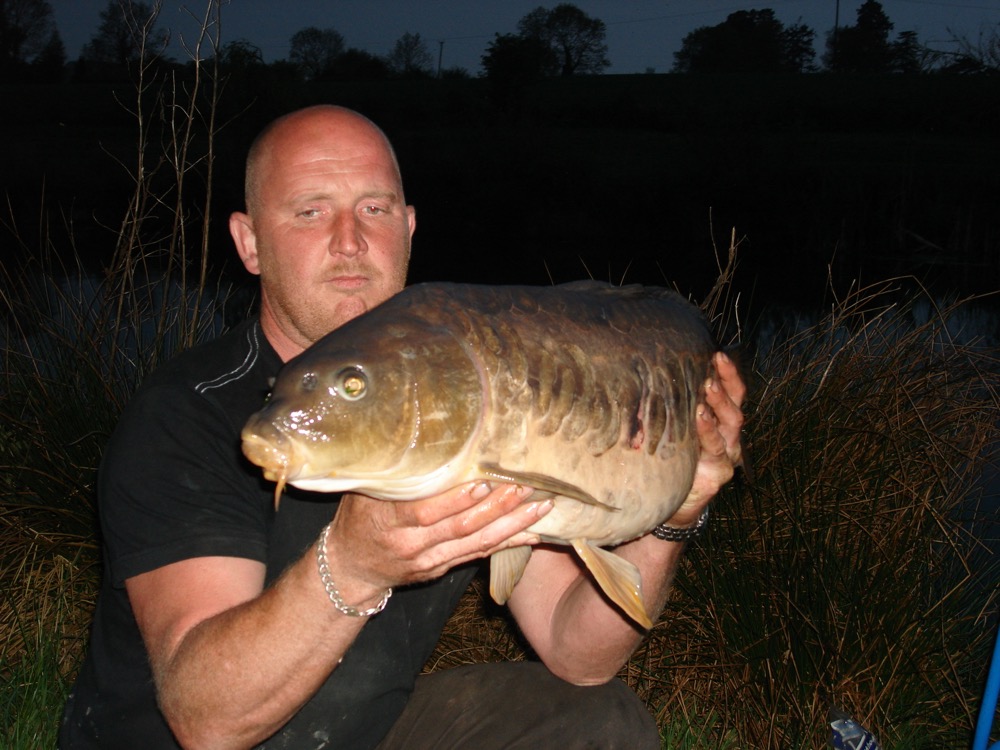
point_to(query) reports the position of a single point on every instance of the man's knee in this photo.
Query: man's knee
(600, 716)
(522, 705)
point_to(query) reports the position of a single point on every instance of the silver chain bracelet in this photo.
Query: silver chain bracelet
(673, 534)
(331, 588)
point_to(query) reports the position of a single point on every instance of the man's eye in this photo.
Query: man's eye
(374, 210)
(309, 213)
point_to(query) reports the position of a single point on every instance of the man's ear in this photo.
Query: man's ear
(411, 220)
(411, 223)
(241, 230)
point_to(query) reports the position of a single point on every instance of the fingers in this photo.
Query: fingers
(491, 519)
(733, 384)
(725, 393)
(499, 532)
(405, 542)
(713, 443)
(466, 508)
(719, 424)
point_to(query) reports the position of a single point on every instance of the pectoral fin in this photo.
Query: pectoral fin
(617, 577)
(506, 567)
(540, 482)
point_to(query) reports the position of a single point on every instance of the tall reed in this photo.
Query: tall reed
(74, 345)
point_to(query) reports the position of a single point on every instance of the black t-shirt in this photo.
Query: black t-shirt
(173, 485)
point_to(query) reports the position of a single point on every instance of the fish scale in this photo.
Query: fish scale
(585, 391)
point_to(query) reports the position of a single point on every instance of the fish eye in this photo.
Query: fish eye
(352, 383)
(309, 381)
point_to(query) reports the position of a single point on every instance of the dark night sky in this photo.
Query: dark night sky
(642, 34)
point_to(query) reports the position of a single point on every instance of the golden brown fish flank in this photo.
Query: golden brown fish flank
(585, 391)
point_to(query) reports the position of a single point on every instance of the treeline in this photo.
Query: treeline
(561, 41)
(548, 173)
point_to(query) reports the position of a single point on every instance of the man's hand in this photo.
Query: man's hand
(719, 424)
(380, 544)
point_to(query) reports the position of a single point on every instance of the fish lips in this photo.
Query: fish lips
(273, 452)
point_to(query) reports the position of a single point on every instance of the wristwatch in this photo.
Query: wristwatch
(673, 534)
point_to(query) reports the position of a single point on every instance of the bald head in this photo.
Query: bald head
(322, 121)
(327, 227)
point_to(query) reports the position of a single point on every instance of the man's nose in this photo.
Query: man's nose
(346, 237)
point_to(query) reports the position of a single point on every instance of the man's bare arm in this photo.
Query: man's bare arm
(577, 632)
(234, 661)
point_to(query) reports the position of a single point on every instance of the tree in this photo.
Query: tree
(799, 54)
(864, 47)
(747, 41)
(50, 64)
(357, 65)
(455, 73)
(576, 42)
(315, 50)
(981, 56)
(515, 61)
(127, 33)
(410, 56)
(908, 55)
(511, 63)
(25, 28)
(240, 55)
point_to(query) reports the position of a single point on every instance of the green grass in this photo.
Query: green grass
(46, 609)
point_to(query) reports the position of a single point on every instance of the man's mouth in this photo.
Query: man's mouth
(348, 280)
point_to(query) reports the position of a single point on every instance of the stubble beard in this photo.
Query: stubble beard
(307, 320)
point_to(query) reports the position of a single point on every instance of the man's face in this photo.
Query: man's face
(329, 231)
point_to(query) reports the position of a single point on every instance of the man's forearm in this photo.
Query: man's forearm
(236, 678)
(589, 638)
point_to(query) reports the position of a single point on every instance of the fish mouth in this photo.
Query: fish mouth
(275, 455)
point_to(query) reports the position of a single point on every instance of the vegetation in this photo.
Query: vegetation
(29, 42)
(410, 57)
(865, 47)
(25, 28)
(73, 347)
(981, 55)
(573, 41)
(559, 41)
(748, 41)
(126, 35)
(854, 568)
(315, 50)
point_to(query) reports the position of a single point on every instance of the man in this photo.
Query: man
(214, 626)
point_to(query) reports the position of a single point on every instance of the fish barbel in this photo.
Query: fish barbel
(585, 391)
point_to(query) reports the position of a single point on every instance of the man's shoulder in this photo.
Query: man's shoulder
(232, 372)
(234, 356)
(173, 483)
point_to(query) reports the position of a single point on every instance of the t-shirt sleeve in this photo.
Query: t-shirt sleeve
(174, 485)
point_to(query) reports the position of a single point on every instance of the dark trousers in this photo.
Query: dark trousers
(519, 705)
